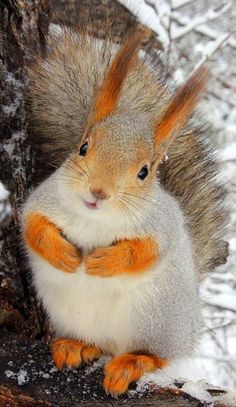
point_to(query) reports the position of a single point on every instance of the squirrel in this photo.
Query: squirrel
(114, 254)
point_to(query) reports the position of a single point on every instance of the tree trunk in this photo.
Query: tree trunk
(23, 26)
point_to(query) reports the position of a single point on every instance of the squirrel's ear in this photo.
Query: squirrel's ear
(122, 64)
(180, 108)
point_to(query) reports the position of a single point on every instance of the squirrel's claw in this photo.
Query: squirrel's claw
(128, 368)
(101, 262)
(126, 256)
(70, 353)
(104, 262)
(69, 260)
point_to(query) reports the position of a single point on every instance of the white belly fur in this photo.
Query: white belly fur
(96, 310)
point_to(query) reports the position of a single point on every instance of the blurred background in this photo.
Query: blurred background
(191, 32)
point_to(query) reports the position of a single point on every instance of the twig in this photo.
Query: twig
(227, 324)
(212, 48)
(177, 4)
(210, 15)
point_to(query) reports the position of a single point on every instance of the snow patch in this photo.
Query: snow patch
(229, 152)
(10, 374)
(228, 399)
(5, 207)
(22, 377)
(226, 301)
(198, 390)
(4, 194)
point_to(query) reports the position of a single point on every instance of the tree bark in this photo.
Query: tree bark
(23, 26)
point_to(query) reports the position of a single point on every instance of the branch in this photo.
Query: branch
(215, 328)
(221, 301)
(211, 49)
(210, 15)
(29, 378)
(177, 4)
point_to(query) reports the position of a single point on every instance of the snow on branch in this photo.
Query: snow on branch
(210, 49)
(177, 4)
(213, 34)
(167, 13)
(162, 11)
(5, 207)
(191, 23)
(223, 301)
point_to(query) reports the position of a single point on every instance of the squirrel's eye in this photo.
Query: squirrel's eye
(143, 172)
(83, 149)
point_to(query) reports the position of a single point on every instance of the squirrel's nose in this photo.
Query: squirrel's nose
(99, 193)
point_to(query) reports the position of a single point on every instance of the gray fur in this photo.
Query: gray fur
(165, 318)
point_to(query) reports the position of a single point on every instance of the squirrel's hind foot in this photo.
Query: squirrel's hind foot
(128, 368)
(71, 353)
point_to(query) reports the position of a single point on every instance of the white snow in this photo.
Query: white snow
(225, 301)
(198, 390)
(147, 15)
(191, 23)
(180, 3)
(5, 207)
(22, 377)
(4, 194)
(9, 146)
(228, 399)
(229, 153)
(10, 374)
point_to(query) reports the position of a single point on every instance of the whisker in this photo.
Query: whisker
(138, 197)
(127, 214)
(137, 205)
(87, 167)
(72, 173)
(77, 165)
(46, 162)
(128, 202)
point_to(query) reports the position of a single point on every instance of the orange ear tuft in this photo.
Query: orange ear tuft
(122, 64)
(181, 107)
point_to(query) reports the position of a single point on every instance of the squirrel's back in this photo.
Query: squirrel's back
(61, 92)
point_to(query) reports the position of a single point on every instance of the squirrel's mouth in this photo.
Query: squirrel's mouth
(91, 205)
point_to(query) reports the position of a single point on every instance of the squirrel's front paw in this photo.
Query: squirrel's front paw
(45, 239)
(125, 257)
(106, 262)
(68, 259)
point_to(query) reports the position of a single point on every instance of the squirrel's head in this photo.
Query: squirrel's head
(116, 162)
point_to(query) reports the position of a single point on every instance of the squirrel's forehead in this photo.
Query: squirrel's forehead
(122, 147)
(123, 135)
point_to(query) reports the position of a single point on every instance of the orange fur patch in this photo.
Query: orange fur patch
(127, 256)
(128, 368)
(122, 64)
(181, 106)
(70, 353)
(45, 239)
